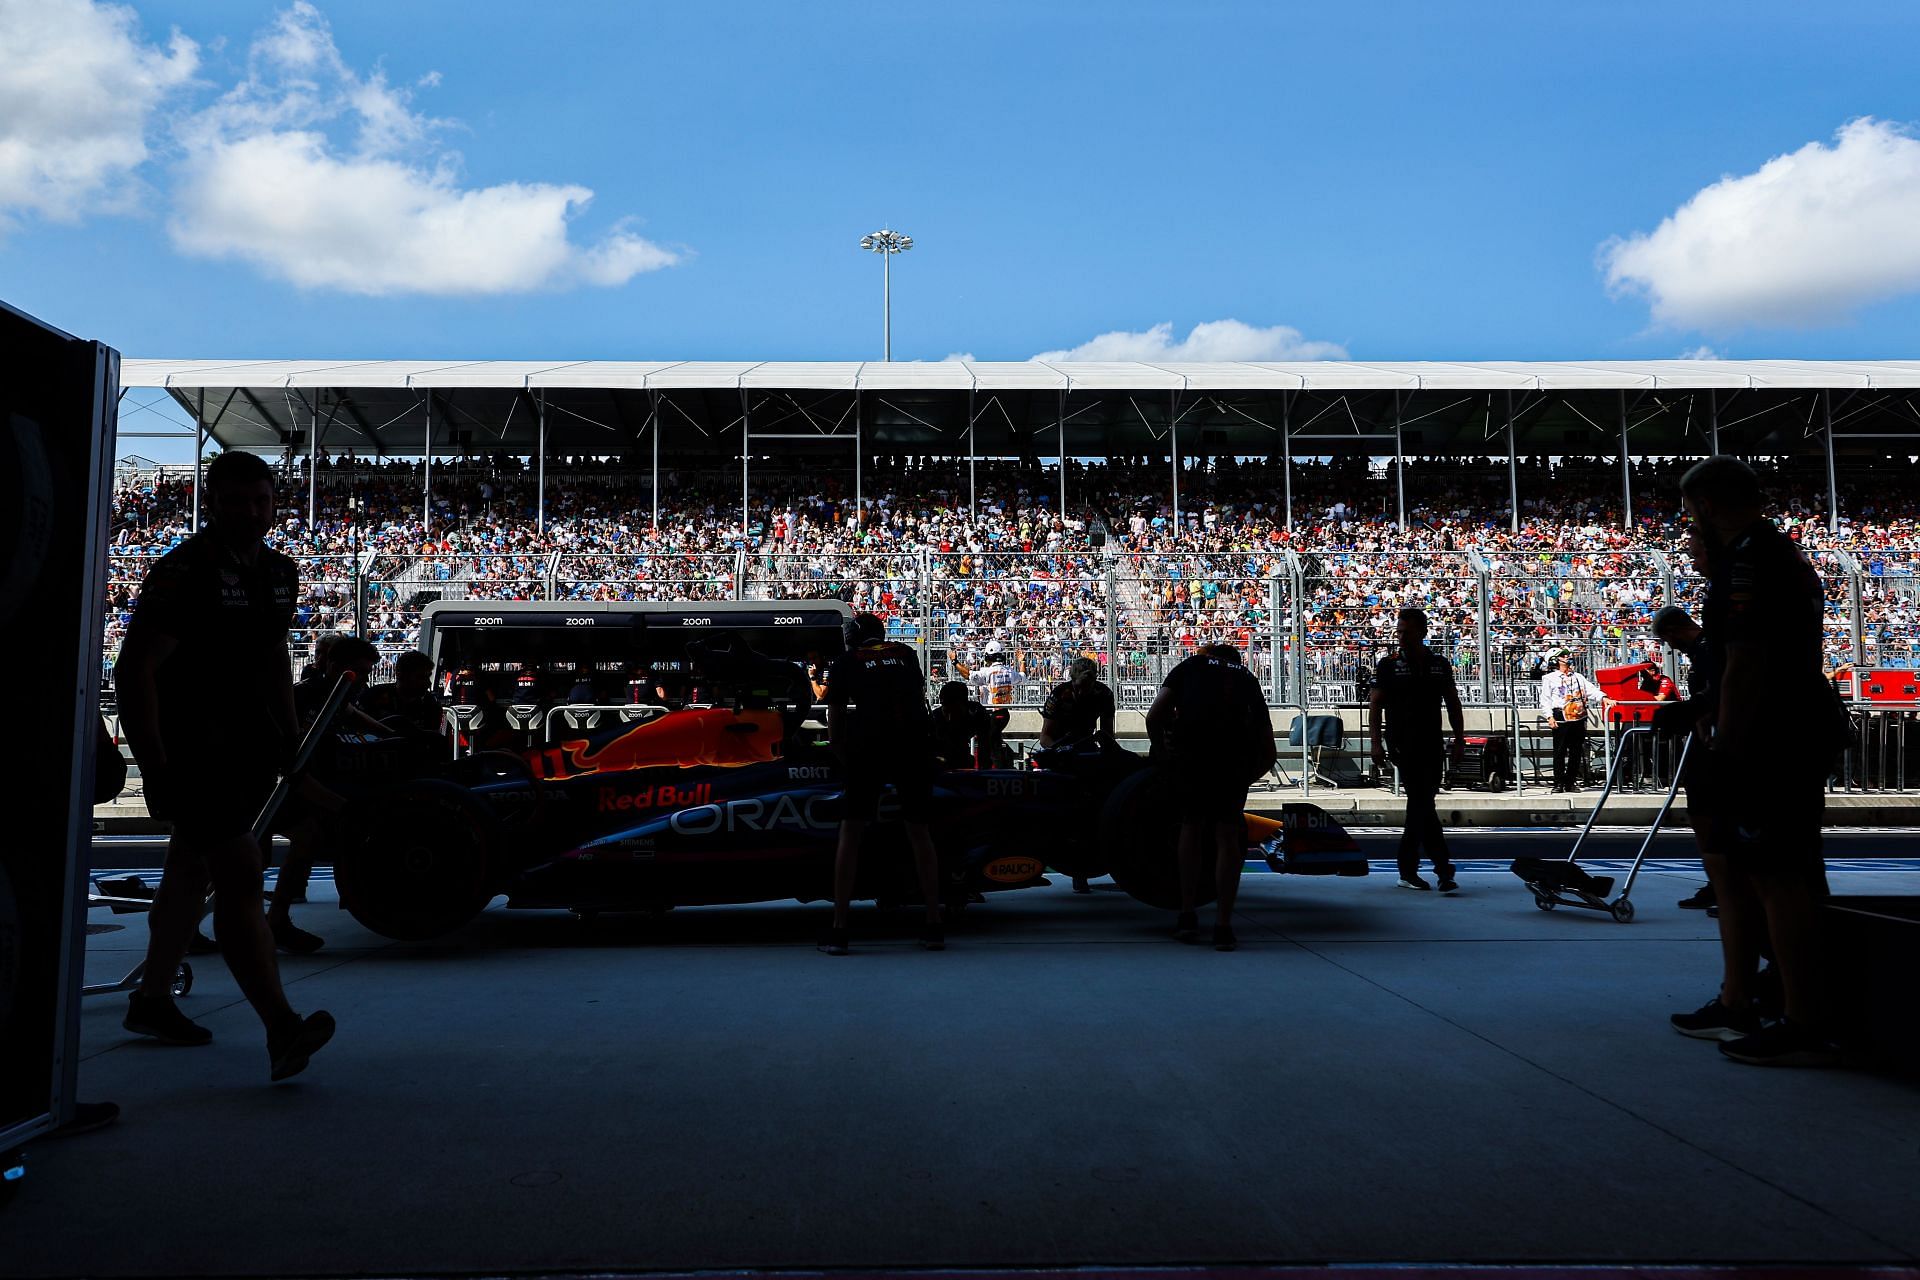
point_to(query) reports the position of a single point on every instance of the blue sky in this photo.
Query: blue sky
(1391, 181)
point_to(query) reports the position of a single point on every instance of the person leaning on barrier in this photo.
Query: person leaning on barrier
(409, 704)
(1081, 707)
(206, 701)
(1211, 716)
(1410, 689)
(1567, 698)
(877, 724)
(1762, 628)
(963, 730)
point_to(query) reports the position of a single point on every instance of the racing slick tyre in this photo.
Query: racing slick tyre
(1140, 830)
(418, 860)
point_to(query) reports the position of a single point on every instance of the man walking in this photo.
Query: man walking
(1409, 689)
(206, 701)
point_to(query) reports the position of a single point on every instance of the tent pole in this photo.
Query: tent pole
(1399, 466)
(1626, 469)
(1173, 441)
(746, 447)
(199, 447)
(426, 501)
(1833, 477)
(1513, 471)
(1713, 421)
(973, 504)
(313, 476)
(859, 499)
(658, 423)
(1063, 455)
(1286, 453)
(540, 500)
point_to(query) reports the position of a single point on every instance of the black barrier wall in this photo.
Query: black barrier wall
(58, 399)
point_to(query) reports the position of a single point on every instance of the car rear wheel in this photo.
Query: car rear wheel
(1140, 831)
(419, 860)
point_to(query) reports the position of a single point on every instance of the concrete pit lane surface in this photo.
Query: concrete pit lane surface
(1374, 1077)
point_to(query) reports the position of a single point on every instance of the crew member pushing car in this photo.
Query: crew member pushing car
(1212, 718)
(1409, 688)
(964, 732)
(1080, 708)
(877, 724)
(206, 700)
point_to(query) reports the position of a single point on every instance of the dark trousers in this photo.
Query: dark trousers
(1420, 780)
(1569, 752)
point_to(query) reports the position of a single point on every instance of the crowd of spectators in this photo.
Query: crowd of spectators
(985, 562)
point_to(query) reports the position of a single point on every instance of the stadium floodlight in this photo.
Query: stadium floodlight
(886, 242)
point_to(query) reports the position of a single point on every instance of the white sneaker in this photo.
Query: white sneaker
(1415, 883)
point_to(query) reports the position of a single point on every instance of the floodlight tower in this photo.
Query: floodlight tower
(886, 243)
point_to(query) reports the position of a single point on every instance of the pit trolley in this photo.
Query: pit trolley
(129, 895)
(1557, 882)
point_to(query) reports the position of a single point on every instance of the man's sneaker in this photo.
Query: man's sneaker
(1702, 899)
(1415, 882)
(933, 938)
(1223, 939)
(834, 942)
(289, 1049)
(1186, 926)
(292, 939)
(159, 1017)
(1714, 1021)
(1449, 885)
(1783, 1044)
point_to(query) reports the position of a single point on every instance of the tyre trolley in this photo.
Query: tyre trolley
(1563, 882)
(130, 895)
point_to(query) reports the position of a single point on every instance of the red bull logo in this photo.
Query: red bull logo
(664, 796)
(679, 740)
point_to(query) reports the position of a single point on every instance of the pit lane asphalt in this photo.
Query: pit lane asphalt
(1374, 1076)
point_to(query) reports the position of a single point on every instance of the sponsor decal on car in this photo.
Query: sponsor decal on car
(787, 812)
(664, 796)
(1015, 870)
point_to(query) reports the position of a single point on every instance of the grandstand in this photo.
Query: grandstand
(1127, 512)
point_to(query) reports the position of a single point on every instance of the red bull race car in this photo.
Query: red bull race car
(674, 755)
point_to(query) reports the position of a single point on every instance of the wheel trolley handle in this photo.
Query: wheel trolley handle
(309, 743)
(1613, 772)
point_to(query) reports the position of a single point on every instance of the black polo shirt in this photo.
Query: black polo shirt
(882, 697)
(1079, 708)
(954, 736)
(1413, 688)
(219, 688)
(1768, 599)
(1221, 710)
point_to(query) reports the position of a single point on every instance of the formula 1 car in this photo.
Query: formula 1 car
(741, 803)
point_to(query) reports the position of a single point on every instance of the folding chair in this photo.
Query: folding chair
(1317, 734)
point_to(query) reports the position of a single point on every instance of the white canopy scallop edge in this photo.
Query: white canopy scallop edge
(965, 375)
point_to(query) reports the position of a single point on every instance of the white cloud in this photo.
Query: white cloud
(1699, 353)
(78, 84)
(1806, 239)
(266, 180)
(1213, 340)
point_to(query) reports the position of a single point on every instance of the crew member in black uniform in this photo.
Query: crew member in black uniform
(1409, 688)
(206, 700)
(1080, 708)
(409, 704)
(964, 731)
(1211, 718)
(1762, 621)
(877, 723)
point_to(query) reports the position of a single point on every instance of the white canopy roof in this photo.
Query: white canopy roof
(957, 375)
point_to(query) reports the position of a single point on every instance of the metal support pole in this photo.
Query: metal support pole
(1173, 441)
(924, 567)
(972, 498)
(1833, 476)
(1626, 469)
(1399, 465)
(1857, 607)
(1483, 623)
(859, 437)
(746, 447)
(426, 499)
(1063, 454)
(1113, 626)
(540, 500)
(1513, 471)
(357, 587)
(1275, 652)
(1286, 454)
(659, 424)
(886, 304)
(313, 477)
(199, 447)
(1713, 421)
